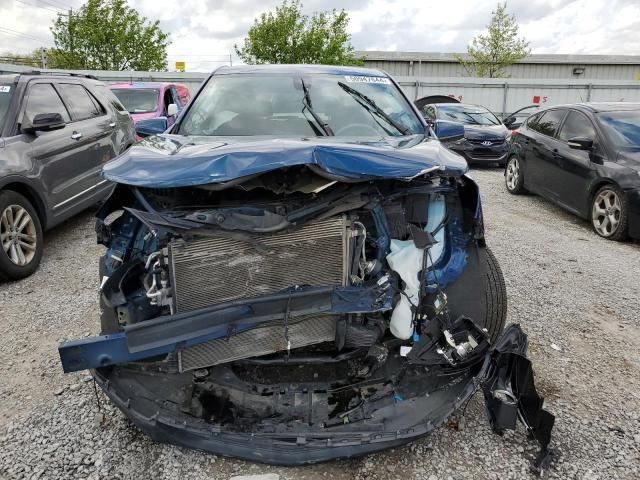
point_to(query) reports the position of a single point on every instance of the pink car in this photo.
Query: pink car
(145, 100)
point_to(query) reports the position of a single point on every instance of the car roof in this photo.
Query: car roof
(461, 105)
(9, 78)
(142, 84)
(595, 107)
(294, 69)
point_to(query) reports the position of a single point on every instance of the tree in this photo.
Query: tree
(289, 36)
(109, 35)
(500, 47)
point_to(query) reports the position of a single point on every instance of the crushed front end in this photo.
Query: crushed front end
(296, 316)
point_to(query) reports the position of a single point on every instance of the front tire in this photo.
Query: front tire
(495, 297)
(20, 236)
(609, 213)
(514, 176)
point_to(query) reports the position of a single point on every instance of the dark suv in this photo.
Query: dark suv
(56, 133)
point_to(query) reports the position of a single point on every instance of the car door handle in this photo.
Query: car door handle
(76, 136)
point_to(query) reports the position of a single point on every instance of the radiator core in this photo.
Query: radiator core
(262, 340)
(209, 271)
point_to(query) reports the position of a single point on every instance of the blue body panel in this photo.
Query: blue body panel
(178, 161)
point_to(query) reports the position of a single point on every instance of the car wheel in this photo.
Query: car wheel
(495, 296)
(514, 176)
(609, 213)
(20, 236)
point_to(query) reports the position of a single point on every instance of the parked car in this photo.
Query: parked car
(485, 136)
(262, 293)
(515, 119)
(585, 158)
(145, 100)
(56, 133)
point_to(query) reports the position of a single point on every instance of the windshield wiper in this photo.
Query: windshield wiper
(307, 104)
(373, 107)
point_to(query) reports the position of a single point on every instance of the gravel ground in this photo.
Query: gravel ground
(577, 296)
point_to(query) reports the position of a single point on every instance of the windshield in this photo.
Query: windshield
(138, 100)
(317, 105)
(622, 128)
(6, 92)
(467, 114)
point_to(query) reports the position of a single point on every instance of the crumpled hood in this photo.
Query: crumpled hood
(490, 132)
(166, 161)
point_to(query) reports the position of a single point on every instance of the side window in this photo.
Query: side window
(547, 122)
(532, 122)
(577, 125)
(79, 101)
(43, 98)
(97, 104)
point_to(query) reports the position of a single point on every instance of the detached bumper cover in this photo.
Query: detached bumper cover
(503, 373)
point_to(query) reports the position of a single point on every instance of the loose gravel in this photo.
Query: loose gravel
(576, 295)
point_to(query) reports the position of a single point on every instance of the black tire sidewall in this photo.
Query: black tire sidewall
(9, 270)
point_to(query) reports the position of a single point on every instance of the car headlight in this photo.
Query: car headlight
(508, 137)
(460, 141)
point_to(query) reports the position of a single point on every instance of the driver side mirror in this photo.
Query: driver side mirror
(509, 121)
(43, 122)
(152, 126)
(172, 110)
(580, 143)
(448, 131)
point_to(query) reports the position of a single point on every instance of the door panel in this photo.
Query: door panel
(575, 169)
(544, 172)
(92, 129)
(54, 153)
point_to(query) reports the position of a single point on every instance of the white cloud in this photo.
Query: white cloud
(203, 32)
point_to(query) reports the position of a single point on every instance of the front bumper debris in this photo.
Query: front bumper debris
(399, 412)
(169, 334)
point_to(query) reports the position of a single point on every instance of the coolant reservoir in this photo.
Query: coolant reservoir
(406, 260)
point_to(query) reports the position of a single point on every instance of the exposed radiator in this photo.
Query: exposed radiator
(214, 270)
(268, 338)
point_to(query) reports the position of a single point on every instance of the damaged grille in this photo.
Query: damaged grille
(262, 340)
(215, 270)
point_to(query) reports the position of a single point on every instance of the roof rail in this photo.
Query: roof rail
(70, 74)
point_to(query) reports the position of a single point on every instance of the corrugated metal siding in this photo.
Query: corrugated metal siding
(520, 70)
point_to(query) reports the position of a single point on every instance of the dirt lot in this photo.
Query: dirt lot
(577, 296)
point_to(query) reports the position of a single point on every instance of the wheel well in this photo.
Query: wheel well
(33, 197)
(597, 186)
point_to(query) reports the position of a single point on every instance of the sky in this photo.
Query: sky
(203, 32)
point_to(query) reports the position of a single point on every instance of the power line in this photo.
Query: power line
(37, 6)
(54, 4)
(21, 34)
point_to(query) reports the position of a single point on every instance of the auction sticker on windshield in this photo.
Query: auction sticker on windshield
(5, 88)
(365, 79)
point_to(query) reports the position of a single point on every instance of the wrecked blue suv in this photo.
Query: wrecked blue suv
(296, 271)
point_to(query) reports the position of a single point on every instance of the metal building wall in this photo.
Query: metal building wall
(499, 95)
(596, 67)
(504, 96)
